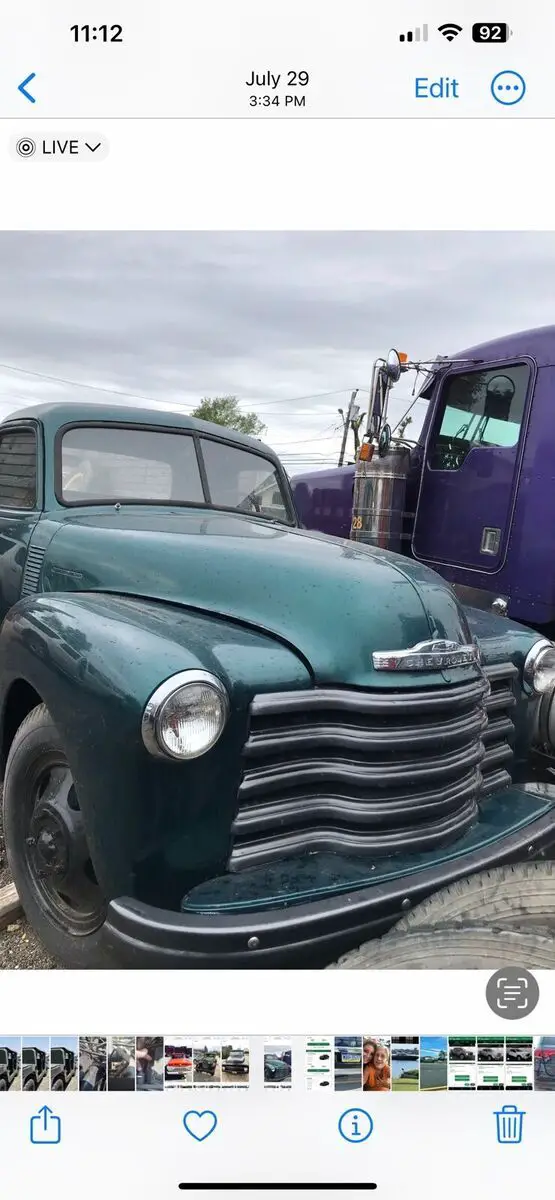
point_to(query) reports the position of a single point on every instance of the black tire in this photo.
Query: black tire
(521, 898)
(455, 949)
(3, 1085)
(29, 1086)
(36, 746)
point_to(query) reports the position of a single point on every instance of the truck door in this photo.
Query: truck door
(20, 505)
(471, 467)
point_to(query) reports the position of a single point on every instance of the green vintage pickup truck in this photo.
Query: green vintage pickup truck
(227, 741)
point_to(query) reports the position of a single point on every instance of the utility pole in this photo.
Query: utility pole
(347, 420)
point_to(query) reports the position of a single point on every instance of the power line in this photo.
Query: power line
(297, 400)
(95, 387)
(265, 407)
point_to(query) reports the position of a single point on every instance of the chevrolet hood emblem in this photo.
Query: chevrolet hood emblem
(427, 656)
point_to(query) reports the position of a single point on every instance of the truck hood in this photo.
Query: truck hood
(333, 601)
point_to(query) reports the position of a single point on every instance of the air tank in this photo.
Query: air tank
(379, 501)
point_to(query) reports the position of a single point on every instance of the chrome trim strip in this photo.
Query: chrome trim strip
(380, 702)
(532, 658)
(438, 654)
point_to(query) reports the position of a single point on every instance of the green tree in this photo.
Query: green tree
(224, 410)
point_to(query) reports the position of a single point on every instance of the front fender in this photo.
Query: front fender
(154, 827)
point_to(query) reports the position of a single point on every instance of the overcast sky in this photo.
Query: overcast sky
(276, 319)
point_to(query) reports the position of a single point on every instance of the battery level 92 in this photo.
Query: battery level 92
(488, 31)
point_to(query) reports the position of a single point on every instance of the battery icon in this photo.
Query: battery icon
(491, 32)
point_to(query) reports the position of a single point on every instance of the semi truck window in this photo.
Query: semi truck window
(18, 469)
(479, 408)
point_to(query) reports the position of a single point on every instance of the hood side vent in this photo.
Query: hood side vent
(31, 574)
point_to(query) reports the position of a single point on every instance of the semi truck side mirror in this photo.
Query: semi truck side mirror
(499, 394)
(393, 366)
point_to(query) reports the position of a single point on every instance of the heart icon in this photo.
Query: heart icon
(200, 1124)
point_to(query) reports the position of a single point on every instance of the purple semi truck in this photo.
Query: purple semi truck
(472, 499)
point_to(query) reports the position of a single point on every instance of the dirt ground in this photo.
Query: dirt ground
(20, 949)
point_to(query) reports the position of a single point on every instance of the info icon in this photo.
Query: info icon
(355, 1125)
(512, 993)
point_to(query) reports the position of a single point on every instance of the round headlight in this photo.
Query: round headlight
(185, 715)
(539, 667)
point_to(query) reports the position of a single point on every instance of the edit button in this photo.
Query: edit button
(444, 88)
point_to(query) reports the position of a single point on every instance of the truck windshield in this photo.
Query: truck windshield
(57, 1058)
(111, 464)
(3, 1056)
(28, 1057)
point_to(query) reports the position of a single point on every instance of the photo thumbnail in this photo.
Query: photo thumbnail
(405, 1063)
(351, 430)
(121, 1064)
(10, 1064)
(64, 1064)
(93, 1063)
(433, 1064)
(278, 1058)
(35, 1064)
(462, 1071)
(544, 1064)
(319, 1063)
(178, 1061)
(149, 1064)
(347, 1062)
(519, 1062)
(236, 1062)
(377, 1074)
(490, 1063)
(207, 1062)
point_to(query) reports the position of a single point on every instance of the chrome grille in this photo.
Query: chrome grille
(370, 772)
(498, 736)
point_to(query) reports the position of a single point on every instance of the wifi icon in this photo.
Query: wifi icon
(449, 31)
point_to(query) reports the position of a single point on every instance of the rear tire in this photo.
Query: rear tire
(470, 948)
(521, 898)
(495, 906)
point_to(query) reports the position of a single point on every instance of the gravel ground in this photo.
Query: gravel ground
(20, 949)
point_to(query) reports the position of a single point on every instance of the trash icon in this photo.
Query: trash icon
(509, 1124)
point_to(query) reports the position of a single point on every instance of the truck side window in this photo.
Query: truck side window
(18, 469)
(479, 408)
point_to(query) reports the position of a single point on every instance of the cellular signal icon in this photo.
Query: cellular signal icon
(415, 35)
(449, 31)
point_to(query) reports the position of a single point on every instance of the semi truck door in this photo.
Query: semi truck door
(471, 467)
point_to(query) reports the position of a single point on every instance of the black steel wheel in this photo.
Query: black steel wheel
(47, 848)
